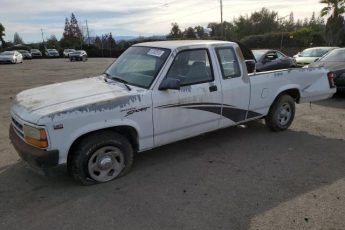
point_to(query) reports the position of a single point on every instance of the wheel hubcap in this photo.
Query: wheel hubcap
(106, 163)
(284, 114)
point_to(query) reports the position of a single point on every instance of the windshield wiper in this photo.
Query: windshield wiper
(124, 82)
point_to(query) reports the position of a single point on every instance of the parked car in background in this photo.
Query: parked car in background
(272, 60)
(52, 53)
(66, 52)
(26, 54)
(79, 55)
(335, 62)
(11, 57)
(36, 53)
(310, 55)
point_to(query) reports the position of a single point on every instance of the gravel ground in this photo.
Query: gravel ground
(242, 177)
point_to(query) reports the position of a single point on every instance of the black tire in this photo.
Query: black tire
(87, 149)
(281, 113)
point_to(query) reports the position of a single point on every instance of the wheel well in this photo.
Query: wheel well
(127, 131)
(294, 93)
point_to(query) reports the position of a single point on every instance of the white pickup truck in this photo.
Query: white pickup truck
(153, 94)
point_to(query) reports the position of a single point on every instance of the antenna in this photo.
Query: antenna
(221, 18)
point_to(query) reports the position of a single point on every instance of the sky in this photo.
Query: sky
(132, 17)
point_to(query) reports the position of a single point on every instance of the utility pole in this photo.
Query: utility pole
(88, 34)
(221, 19)
(43, 39)
(282, 38)
(42, 35)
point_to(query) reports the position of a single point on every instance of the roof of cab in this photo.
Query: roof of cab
(181, 43)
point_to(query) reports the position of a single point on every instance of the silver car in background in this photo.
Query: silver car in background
(26, 54)
(66, 52)
(36, 53)
(79, 55)
(11, 57)
(52, 53)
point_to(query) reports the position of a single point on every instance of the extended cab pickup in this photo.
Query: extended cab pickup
(153, 94)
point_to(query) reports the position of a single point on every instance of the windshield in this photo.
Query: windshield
(258, 54)
(337, 55)
(314, 52)
(34, 50)
(138, 66)
(76, 52)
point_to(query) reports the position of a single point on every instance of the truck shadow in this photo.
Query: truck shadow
(220, 180)
(338, 101)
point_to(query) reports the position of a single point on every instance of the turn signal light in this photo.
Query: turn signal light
(38, 143)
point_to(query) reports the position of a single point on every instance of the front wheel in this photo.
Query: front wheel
(281, 113)
(101, 157)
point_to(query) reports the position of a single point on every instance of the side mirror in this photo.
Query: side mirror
(170, 83)
(251, 66)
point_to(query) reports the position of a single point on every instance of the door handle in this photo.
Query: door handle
(213, 88)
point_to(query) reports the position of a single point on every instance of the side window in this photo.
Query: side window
(271, 56)
(280, 55)
(228, 63)
(191, 67)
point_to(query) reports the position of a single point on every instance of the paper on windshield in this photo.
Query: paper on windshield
(155, 52)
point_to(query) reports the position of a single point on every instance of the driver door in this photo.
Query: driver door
(196, 107)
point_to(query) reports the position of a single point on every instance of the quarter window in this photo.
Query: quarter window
(191, 67)
(228, 63)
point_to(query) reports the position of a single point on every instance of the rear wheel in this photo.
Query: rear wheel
(101, 157)
(281, 113)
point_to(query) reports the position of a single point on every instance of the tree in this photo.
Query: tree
(52, 42)
(189, 33)
(74, 27)
(72, 36)
(98, 42)
(334, 7)
(335, 26)
(2, 35)
(17, 39)
(175, 31)
(66, 31)
(111, 41)
(260, 22)
(200, 32)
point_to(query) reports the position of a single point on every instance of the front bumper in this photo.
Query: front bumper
(37, 158)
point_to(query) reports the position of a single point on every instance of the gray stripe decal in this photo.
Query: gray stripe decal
(227, 111)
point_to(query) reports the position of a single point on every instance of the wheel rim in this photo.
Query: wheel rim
(106, 163)
(284, 114)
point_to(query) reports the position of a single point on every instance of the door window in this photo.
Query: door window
(228, 63)
(191, 67)
(280, 55)
(272, 56)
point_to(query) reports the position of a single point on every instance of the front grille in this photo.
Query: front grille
(18, 127)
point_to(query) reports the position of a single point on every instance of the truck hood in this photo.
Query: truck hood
(33, 104)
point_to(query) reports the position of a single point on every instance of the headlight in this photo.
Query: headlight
(35, 136)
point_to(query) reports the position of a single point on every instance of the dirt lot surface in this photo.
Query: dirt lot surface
(242, 177)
